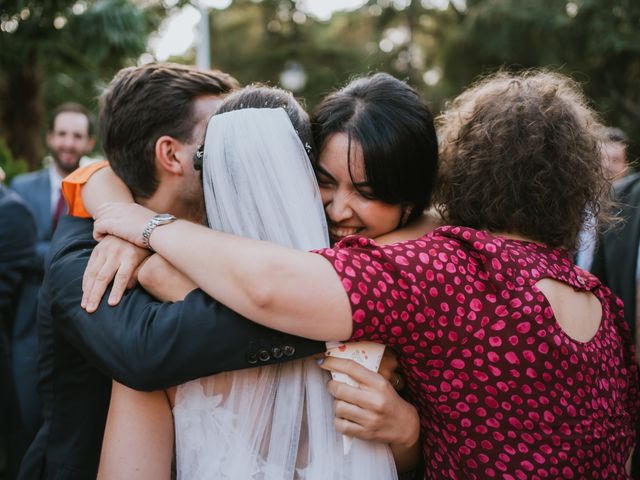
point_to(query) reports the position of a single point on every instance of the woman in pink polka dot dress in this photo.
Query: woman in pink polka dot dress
(519, 362)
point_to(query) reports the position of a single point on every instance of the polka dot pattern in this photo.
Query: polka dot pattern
(501, 390)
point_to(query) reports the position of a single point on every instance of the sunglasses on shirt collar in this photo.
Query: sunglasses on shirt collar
(198, 157)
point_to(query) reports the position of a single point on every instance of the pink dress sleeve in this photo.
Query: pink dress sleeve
(385, 303)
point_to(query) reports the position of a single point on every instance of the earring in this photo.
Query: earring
(406, 213)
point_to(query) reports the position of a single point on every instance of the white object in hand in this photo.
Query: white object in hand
(367, 354)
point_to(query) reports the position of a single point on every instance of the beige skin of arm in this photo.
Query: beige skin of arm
(112, 258)
(282, 288)
(141, 422)
(138, 437)
(374, 411)
(404, 442)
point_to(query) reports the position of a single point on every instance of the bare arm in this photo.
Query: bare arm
(103, 187)
(113, 259)
(138, 438)
(283, 288)
(163, 280)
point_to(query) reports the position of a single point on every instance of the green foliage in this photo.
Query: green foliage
(64, 50)
(448, 44)
(596, 42)
(439, 46)
(11, 166)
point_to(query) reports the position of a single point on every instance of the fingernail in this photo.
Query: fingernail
(320, 361)
(91, 307)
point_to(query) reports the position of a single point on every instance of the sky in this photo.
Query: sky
(177, 32)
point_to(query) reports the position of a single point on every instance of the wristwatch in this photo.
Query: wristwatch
(156, 221)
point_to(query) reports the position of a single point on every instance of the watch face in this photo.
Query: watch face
(163, 218)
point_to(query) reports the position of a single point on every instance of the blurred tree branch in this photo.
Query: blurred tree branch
(83, 42)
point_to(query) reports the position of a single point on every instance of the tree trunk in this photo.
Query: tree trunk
(23, 113)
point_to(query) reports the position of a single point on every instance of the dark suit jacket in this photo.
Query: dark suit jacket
(35, 189)
(616, 256)
(17, 253)
(615, 262)
(143, 343)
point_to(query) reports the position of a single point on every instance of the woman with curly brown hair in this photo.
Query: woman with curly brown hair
(518, 361)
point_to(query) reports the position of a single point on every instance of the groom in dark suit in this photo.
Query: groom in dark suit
(152, 118)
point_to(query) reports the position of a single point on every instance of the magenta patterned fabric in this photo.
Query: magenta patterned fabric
(501, 390)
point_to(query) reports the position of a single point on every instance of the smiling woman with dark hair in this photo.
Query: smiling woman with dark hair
(384, 130)
(518, 361)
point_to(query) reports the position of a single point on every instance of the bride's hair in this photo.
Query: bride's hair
(262, 96)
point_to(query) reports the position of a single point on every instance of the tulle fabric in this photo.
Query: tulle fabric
(273, 422)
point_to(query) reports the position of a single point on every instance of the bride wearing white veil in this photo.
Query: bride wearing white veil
(272, 422)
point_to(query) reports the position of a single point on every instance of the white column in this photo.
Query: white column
(203, 52)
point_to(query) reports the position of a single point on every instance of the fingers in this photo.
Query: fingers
(347, 427)
(99, 284)
(112, 260)
(365, 377)
(120, 282)
(88, 278)
(124, 220)
(370, 400)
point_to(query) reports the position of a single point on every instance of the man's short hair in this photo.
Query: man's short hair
(140, 105)
(72, 107)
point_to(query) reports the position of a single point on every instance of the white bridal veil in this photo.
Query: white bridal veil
(273, 422)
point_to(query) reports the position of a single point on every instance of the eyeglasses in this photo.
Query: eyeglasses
(198, 157)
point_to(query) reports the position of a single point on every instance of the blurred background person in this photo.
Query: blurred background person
(616, 256)
(69, 138)
(17, 254)
(615, 154)
(616, 167)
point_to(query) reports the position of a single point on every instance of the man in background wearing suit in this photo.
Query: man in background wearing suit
(17, 254)
(617, 264)
(69, 137)
(152, 119)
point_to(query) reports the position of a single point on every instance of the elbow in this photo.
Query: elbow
(146, 367)
(262, 289)
(261, 296)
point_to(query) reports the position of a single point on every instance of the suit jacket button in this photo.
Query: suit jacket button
(276, 352)
(263, 355)
(252, 358)
(288, 350)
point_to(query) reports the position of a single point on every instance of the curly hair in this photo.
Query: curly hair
(521, 154)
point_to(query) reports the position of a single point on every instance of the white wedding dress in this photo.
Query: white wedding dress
(272, 422)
